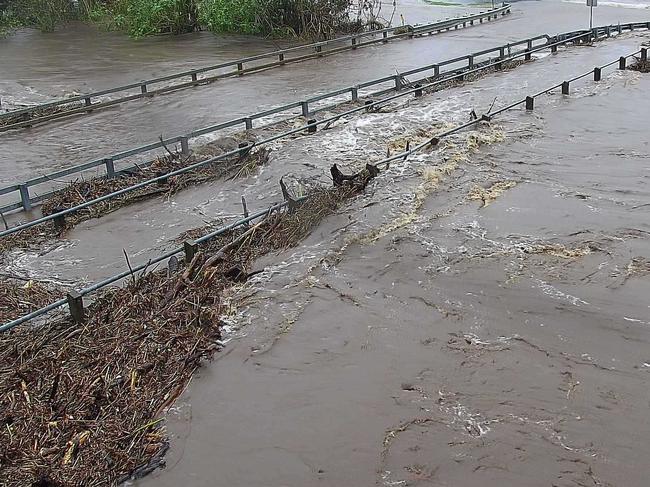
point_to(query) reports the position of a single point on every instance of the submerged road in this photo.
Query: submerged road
(424, 337)
(114, 61)
(477, 318)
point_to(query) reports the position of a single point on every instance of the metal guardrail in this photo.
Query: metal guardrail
(356, 41)
(27, 201)
(75, 298)
(311, 126)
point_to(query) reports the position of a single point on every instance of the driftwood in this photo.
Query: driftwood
(358, 180)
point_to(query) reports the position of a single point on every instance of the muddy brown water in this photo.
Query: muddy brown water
(496, 345)
(419, 337)
(37, 67)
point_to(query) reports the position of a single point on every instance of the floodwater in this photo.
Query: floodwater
(37, 67)
(478, 318)
(424, 338)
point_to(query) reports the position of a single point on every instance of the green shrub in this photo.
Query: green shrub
(8, 23)
(146, 17)
(230, 15)
(44, 14)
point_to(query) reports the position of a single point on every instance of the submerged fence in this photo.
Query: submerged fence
(473, 65)
(305, 108)
(74, 299)
(67, 107)
(476, 60)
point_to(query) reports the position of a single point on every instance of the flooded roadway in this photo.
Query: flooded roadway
(422, 336)
(34, 71)
(480, 343)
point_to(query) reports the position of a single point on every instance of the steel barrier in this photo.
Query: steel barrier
(26, 201)
(458, 74)
(143, 88)
(75, 298)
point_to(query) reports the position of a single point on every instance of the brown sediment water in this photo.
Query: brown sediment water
(477, 318)
(500, 344)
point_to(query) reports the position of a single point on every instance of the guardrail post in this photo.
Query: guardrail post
(311, 126)
(281, 58)
(597, 74)
(565, 88)
(621, 62)
(24, 197)
(243, 149)
(194, 79)
(191, 248)
(464, 24)
(245, 206)
(110, 168)
(398, 82)
(530, 103)
(87, 101)
(355, 93)
(620, 30)
(385, 36)
(304, 105)
(185, 146)
(248, 122)
(143, 88)
(502, 52)
(59, 220)
(354, 43)
(608, 31)
(470, 62)
(471, 22)
(319, 49)
(554, 48)
(76, 306)
(528, 55)
(418, 91)
(436, 71)
(240, 68)
(644, 54)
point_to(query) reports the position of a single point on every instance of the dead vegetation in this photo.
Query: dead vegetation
(80, 192)
(82, 403)
(490, 193)
(640, 66)
(39, 112)
(18, 298)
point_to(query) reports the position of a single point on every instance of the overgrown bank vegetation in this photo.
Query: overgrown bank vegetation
(284, 18)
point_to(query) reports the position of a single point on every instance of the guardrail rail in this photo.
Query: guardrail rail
(82, 104)
(74, 299)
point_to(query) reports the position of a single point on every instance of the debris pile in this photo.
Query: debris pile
(640, 66)
(39, 112)
(18, 298)
(80, 192)
(82, 403)
(490, 193)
